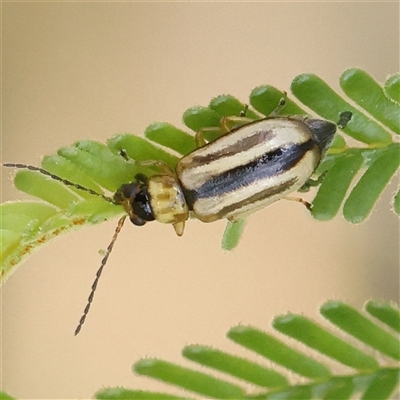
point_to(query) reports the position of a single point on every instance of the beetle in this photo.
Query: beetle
(243, 171)
(252, 166)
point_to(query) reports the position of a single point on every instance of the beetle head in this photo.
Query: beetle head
(135, 199)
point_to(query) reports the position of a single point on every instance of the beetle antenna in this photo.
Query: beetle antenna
(98, 274)
(57, 178)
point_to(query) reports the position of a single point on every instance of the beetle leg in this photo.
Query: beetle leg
(300, 200)
(199, 138)
(225, 126)
(233, 121)
(312, 183)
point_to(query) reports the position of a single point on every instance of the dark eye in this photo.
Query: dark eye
(126, 192)
(141, 206)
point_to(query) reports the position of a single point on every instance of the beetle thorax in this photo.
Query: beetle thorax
(167, 199)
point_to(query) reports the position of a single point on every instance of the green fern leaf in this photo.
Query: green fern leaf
(371, 360)
(5, 396)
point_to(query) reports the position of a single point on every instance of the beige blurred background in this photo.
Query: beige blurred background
(90, 70)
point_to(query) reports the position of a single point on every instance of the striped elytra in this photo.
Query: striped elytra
(252, 166)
